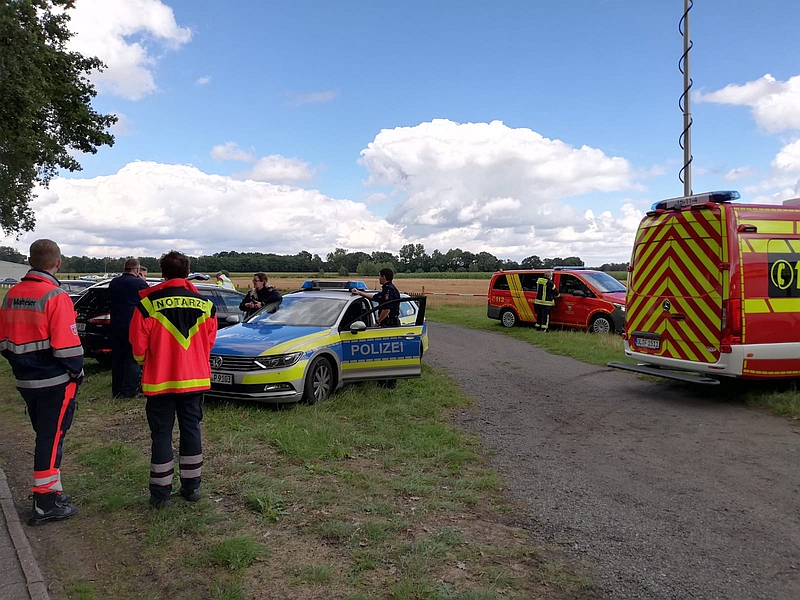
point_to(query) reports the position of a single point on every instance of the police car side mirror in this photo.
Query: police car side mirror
(357, 326)
(233, 319)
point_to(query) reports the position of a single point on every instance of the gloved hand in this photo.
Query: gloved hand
(77, 378)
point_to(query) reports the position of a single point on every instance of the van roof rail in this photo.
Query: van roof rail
(568, 267)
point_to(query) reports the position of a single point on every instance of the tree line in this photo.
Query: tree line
(412, 258)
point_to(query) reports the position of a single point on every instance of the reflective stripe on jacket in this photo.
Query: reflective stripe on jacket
(38, 334)
(546, 293)
(172, 332)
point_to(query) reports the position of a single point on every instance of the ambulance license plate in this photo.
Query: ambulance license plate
(650, 343)
(222, 378)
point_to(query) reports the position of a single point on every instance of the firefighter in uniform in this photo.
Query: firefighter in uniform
(390, 316)
(546, 294)
(172, 332)
(39, 338)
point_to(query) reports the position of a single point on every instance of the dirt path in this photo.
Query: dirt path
(665, 493)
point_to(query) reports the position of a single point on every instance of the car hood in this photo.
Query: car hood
(618, 297)
(248, 339)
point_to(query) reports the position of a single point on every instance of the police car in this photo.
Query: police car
(313, 342)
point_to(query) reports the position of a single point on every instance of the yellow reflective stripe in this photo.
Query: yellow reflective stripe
(175, 385)
(782, 227)
(768, 305)
(185, 342)
(139, 359)
(373, 364)
(382, 333)
(306, 342)
(518, 296)
(758, 245)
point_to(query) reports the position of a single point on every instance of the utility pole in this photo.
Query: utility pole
(685, 139)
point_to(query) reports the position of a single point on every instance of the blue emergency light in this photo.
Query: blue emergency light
(677, 203)
(330, 284)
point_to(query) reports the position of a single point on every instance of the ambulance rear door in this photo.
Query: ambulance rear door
(674, 304)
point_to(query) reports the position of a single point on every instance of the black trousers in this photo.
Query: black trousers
(161, 411)
(542, 316)
(125, 372)
(51, 410)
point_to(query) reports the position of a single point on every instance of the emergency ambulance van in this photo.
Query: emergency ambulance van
(714, 290)
(588, 299)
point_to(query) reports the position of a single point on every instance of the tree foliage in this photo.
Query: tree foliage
(45, 105)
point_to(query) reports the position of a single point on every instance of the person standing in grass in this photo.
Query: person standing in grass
(546, 294)
(172, 332)
(39, 338)
(123, 293)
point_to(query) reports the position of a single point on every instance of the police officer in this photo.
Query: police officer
(546, 294)
(123, 293)
(172, 332)
(389, 316)
(39, 338)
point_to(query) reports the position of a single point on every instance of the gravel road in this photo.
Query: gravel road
(665, 493)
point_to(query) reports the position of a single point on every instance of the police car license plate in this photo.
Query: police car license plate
(650, 343)
(81, 326)
(222, 378)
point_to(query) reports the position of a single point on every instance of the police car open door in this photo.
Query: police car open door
(370, 352)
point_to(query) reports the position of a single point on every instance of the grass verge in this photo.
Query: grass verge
(372, 494)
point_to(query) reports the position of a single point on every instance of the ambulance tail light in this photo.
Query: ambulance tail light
(731, 325)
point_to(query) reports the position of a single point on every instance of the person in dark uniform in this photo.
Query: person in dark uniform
(259, 296)
(123, 293)
(389, 316)
(546, 294)
(39, 338)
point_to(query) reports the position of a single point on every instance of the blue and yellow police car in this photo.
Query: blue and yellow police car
(313, 342)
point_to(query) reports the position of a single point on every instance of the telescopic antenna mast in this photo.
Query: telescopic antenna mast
(685, 139)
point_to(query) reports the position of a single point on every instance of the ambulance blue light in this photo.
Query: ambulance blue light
(677, 203)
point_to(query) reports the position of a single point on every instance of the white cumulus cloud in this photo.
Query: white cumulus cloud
(127, 35)
(231, 151)
(180, 207)
(203, 80)
(775, 104)
(279, 169)
(455, 175)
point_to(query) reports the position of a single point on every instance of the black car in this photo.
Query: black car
(93, 316)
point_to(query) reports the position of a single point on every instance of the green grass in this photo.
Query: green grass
(362, 489)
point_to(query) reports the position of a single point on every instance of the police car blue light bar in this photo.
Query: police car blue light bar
(676, 203)
(318, 284)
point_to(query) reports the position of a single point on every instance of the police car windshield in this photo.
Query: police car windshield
(303, 311)
(604, 283)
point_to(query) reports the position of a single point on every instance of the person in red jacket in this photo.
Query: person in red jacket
(39, 338)
(172, 331)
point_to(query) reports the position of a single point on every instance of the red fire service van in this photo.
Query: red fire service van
(588, 299)
(714, 290)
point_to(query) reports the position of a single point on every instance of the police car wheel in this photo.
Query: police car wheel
(319, 382)
(601, 324)
(508, 318)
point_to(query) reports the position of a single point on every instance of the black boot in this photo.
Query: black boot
(46, 509)
(62, 498)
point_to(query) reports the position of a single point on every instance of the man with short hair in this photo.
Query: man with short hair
(123, 293)
(39, 338)
(389, 316)
(546, 294)
(142, 272)
(172, 332)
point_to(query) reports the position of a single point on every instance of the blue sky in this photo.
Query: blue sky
(514, 127)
